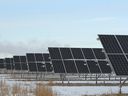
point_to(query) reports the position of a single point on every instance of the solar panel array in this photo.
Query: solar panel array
(32, 62)
(20, 63)
(9, 63)
(116, 48)
(39, 62)
(2, 65)
(79, 60)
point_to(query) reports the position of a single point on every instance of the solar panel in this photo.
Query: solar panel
(9, 63)
(46, 57)
(116, 49)
(74, 60)
(82, 66)
(31, 60)
(31, 57)
(58, 66)
(17, 63)
(2, 65)
(99, 53)
(66, 53)
(33, 67)
(38, 57)
(110, 44)
(105, 67)
(54, 53)
(41, 67)
(77, 53)
(23, 62)
(70, 66)
(49, 67)
(47, 60)
(93, 66)
(40, 60)
(123, 40)
(88, 53)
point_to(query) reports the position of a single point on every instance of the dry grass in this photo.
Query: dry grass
(18, 89)
(43, 90)
(4, 88)
(112, 95)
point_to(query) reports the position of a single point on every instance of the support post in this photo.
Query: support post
(121, 85)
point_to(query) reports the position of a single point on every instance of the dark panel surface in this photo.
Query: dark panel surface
(23, 59)
(88, 53)
(41, 67)
(66, 53)
(32, 67)
(30, 57)
(119, 64)
(110, 44)
(17, 66)
(54, 53)
(82, 66)
(123, 41)
(77, 53)
(99, 54)
(39, 57)
(70, 66)
(8, 63)
(24, 66)
(93, 66)
(16, 59)
(49, 67)
(58, 66)
(105, 67)
(2, 65)
(46, 57)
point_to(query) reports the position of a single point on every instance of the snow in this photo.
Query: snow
(87, 90)
(72, 90)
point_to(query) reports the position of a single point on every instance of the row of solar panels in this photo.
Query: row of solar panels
(31, 62)
(77, 60)
(61, 60)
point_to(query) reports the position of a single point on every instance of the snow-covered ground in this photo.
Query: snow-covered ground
(73, 90)
(87, 90)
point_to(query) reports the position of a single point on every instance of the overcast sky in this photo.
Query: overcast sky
(33, 25)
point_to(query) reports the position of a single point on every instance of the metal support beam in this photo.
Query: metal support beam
(121, 85)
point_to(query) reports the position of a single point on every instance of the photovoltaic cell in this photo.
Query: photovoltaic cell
(119, 63)
(54, 53)
(46, 57)
(70, 66)
(17, 63)
(88, 53)
(39, 57)
(66, 53)
(41, 67)
(49, 67)
(33, 67)
(123, 40)
(99, 53)
(110, 44)
(30, 57)
(116, 48)
(77, 53)
(58, 66)
(2, 65)
(93, 66)
(105, 66)
(9, 63)
(82, 66)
